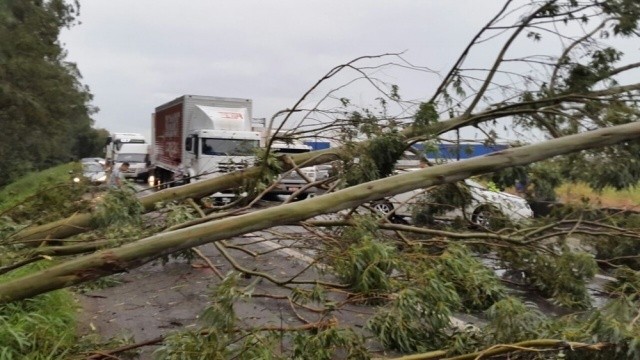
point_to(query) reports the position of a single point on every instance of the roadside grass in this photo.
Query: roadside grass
(33, 183)
(43, 327)
(574, 193)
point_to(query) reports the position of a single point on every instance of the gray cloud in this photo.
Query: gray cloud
(135, 55)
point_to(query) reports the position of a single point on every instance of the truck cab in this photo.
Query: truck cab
(210, 153)
(116, 141)
(137, 155)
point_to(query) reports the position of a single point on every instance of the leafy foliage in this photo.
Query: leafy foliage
(562, 276)
(101, 283)
(270, 166)
(212, 341)
(44, 109)
(510, 320)
(367, 263)
(178, 213)
(426, 116)
(440, 200)
(39, 328)
(378, 158)
(187, 345)
(118, 207)
(618, 250)
(328, 344)
(477, 286)
(417, 318)
(220, 313)
(46, 197)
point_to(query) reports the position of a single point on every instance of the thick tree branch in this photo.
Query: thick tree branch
(102, 263)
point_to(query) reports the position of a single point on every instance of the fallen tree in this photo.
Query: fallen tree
(79, 223)
(124, 258)
(415, 279)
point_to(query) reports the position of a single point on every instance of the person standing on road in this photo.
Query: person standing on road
(117, 176)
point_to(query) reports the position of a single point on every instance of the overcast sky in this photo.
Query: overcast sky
(136, 55)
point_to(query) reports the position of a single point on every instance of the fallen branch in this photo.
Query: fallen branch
(109, 354)
(501, 349)
(131, 255)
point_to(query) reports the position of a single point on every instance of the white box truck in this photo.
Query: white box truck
(198, 137)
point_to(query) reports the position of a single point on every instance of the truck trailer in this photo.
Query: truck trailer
(199, 137)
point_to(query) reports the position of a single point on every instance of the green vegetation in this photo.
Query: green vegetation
(44, 327)
(29, 185)
(40, 328)
(44, 108)
(44, 196)
(628, 198)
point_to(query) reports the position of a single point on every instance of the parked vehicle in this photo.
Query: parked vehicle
(202, 137)
(293, 181)
(92, 171)
(137, 155)
(99, 160)
(116, 141)
(478, 204)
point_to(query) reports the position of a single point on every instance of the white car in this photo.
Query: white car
(483, 207)
(98, 160)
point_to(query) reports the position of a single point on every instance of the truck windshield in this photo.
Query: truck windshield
(229, 147)
(132, 158)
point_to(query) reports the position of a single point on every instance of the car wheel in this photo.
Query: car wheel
(485, 216)
(382, 207)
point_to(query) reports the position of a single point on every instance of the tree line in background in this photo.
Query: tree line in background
(45, 110)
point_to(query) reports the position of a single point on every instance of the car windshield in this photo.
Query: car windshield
(92, 160)
(131, 158)
(229, 147)
(92, 167)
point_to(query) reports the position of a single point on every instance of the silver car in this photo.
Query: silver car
(93, 172)
(482, 206)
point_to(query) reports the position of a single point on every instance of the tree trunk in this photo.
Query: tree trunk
(80, 223)
(102, 263)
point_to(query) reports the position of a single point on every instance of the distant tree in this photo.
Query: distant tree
(44, 108)
(89, 142)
